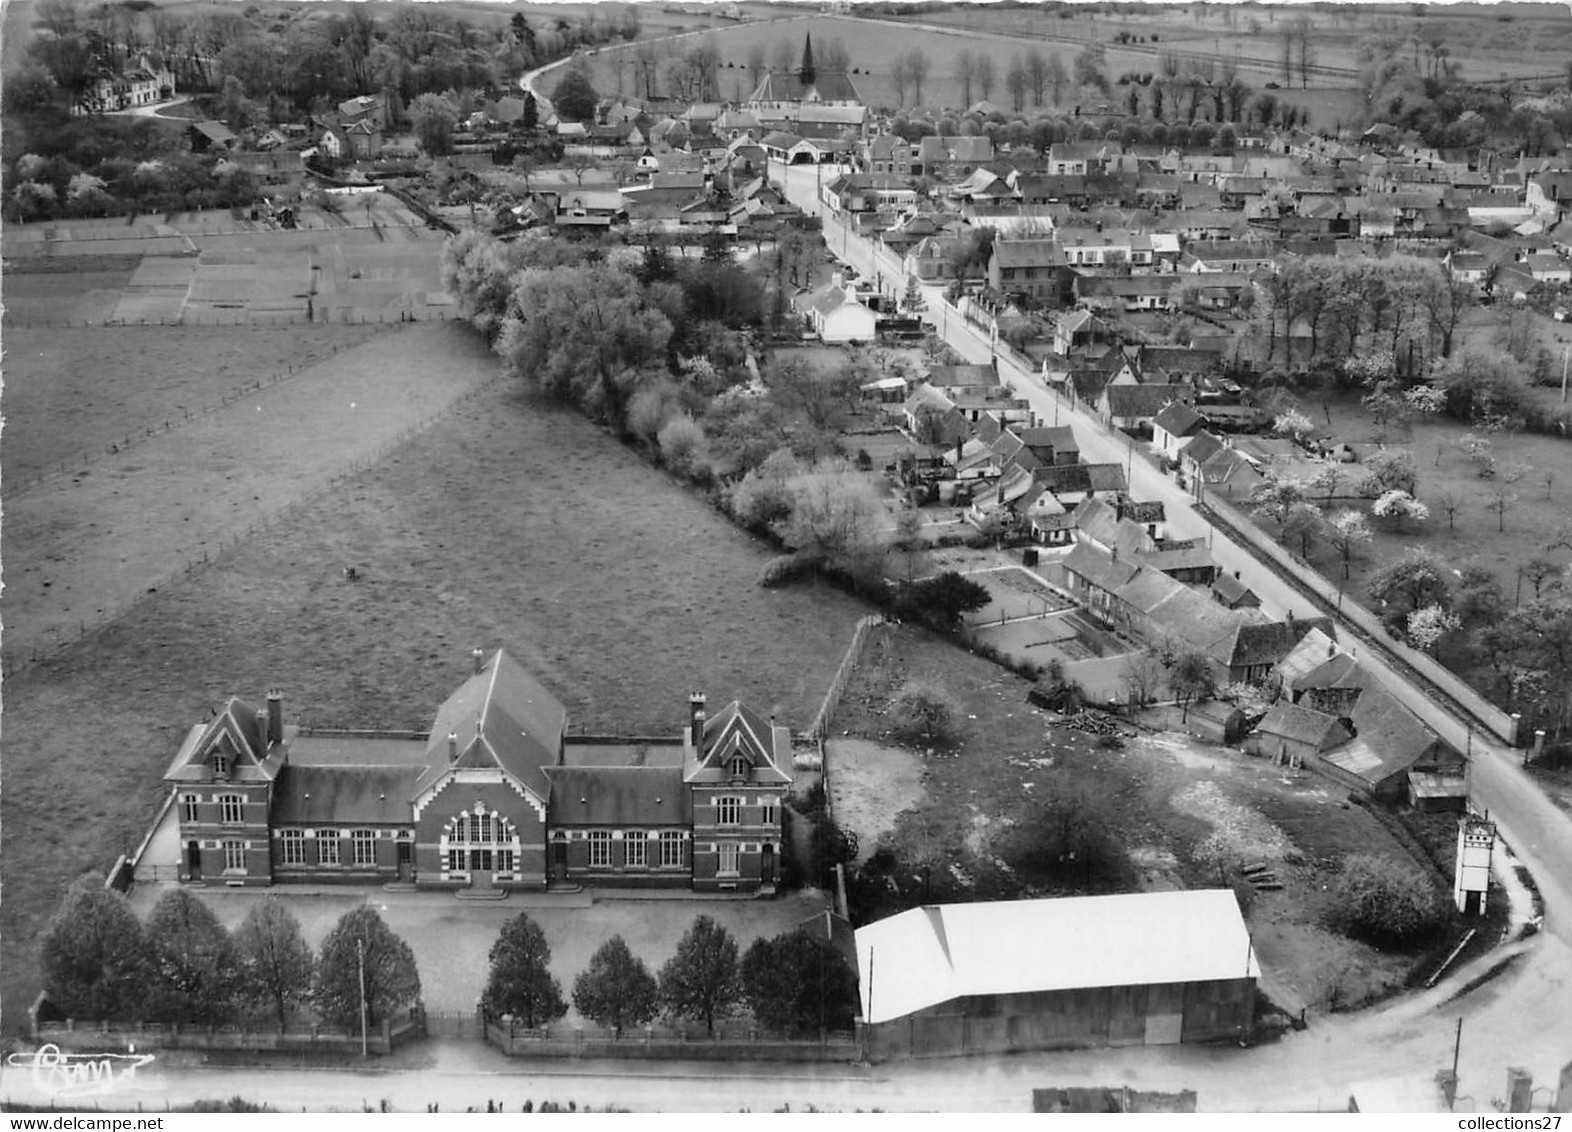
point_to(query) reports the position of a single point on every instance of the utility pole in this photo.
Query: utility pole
(360, 948)
(1563, 375)
(1457, 1047)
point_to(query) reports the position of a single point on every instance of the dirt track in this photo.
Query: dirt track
(79, 551)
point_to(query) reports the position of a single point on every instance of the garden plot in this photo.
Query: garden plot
(157, 290)
(869, 784)
(1015, 592)
(272, 283)
(57, 297)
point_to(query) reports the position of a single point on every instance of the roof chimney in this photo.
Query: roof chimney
(698, 730)
(262, 737)
(696, 702)
(479, 656)
(452, 746)
(275, 716)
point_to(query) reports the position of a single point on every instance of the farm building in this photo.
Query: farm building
(497, 796)
(1148, 968)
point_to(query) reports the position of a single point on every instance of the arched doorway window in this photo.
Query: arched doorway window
(480, 842)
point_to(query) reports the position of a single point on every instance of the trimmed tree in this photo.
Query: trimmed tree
(702, 981)
(521, 982)
(276, 965)
(195, 975)
(617, 990)
(944, 599)
(922, 710)
(798, 984)
(391, 978)
(94, 955)
(574, 98)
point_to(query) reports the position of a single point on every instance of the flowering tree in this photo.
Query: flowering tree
(1399, 505)
(1427, 626)
(1347, 532)
(1293, 424)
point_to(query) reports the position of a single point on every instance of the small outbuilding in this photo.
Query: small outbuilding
(1149, 968)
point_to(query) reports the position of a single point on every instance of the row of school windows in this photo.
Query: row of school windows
(469, 827)
(636, 848)
(728, 810)
(362, 847)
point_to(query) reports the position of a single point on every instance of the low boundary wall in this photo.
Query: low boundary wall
(660, 1043)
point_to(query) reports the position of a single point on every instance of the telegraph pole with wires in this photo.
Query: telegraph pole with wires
(360, 948)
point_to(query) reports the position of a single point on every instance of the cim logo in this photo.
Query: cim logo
(70, 1075)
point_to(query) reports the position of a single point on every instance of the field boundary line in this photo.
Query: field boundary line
(233, 542)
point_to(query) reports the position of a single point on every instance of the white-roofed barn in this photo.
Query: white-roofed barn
(1148, 968)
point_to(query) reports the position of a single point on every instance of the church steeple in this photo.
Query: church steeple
(806, 72)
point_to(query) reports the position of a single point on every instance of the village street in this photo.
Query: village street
(1538, 832)
(1518, 1019)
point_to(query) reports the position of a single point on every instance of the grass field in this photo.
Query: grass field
(507, 523)
(70, 394)
(1179, 809)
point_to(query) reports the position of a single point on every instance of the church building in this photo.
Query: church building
(497, 795)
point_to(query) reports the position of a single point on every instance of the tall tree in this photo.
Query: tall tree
(900, 75)
(984, 72)
(1017, 82)
(1037, 74)
(433, 118)
(702, 981)
(521, 982)
(582, 334)
(799, 984)
(195, 975)
(965, 74)
(1057, 75)
(917, 65)
(364, 962)
(94, 954)
(574, 98)
(1191, 679)
(616, 990)
(1347, 533)
(276, 965)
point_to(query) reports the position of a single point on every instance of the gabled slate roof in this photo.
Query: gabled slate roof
(619, 796)
(503, 717)
(238, 731)
(1250, 645)
(739, 730)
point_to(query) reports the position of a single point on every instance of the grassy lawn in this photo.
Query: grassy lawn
(508, 523)
(1186, 815)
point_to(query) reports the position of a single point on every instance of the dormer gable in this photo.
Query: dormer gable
(736, 744)
(240, 743)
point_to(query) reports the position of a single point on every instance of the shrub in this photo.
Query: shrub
(1389, 903)
(924, 711)
(683, 449)
(786, 568)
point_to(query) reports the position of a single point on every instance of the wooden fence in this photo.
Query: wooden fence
(832, 698)
(88, 1037)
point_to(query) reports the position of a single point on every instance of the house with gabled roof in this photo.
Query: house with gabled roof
(1135, 407)
(1251, 653)
(1177, 423)
(495, 796)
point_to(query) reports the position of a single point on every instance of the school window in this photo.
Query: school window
(633, 847)
(670, 849)
(767, 814)
(188, 807)
(482, 823)
(728, 811)
(294, 846)
(327, 846)
(220, 765)
(231, 808)
(365, 843)
(234, 856)
(504, 860)
(599, 849)
(456, 860)
(738, 767)
(728, 858)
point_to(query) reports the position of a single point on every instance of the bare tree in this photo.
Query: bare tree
(901, 77)
(1304, 50)
(1017, 82)
(917, 65)
(985, 74)
(1058, 75)
(1037, 72)
(782, 55)
(1449, 503)
(755, 63)
(966, 75)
